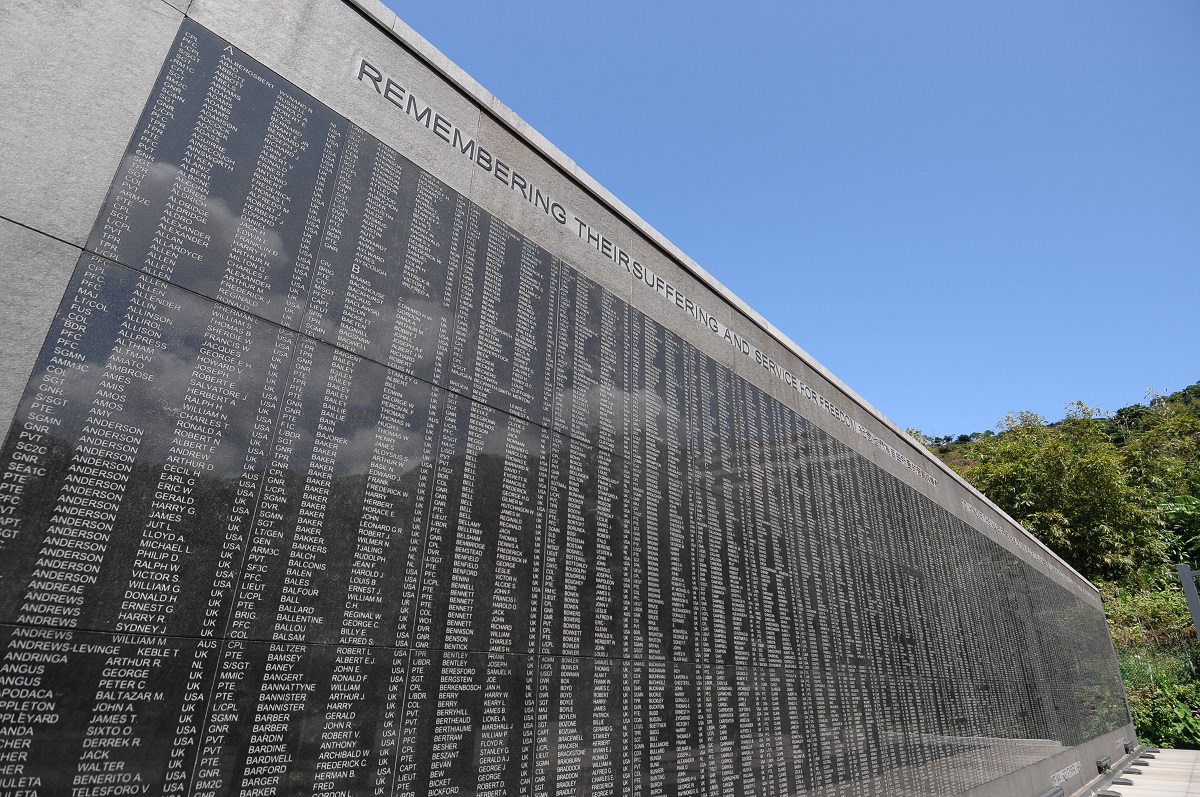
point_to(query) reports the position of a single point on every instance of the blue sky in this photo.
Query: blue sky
(960, 208)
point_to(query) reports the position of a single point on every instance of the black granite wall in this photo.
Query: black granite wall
(329, 482)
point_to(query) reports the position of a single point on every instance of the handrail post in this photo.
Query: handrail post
(1187, 577)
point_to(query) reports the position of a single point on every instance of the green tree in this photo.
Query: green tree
(1163, 456)
(1070, 485)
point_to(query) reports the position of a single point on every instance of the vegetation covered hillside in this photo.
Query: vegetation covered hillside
(1118, 496)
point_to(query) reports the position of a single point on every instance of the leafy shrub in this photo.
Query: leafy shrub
(1164, 716)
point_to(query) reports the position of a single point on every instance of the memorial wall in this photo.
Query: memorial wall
(363, 445)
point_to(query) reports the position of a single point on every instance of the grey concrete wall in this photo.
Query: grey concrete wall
(36, 271)
(74, 77)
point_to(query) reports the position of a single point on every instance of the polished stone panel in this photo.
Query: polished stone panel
(481, 572)
(582, 726)
(226, 182)
(139, 439)
(336, 532)
(469, 724)
(88, 709)
(502, 320)
(584, 596)
(387, 279)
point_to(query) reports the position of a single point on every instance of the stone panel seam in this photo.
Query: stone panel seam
(43, 233)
